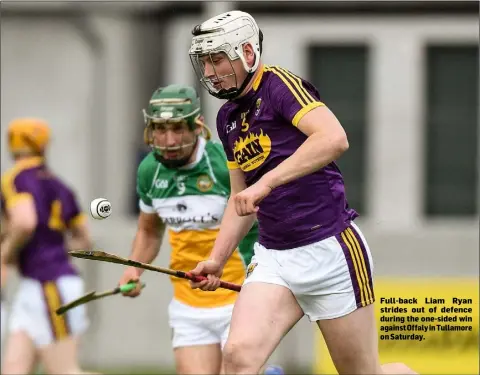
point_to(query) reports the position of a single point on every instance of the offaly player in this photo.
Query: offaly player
(183, 186)
(40, 210)
(281, 142)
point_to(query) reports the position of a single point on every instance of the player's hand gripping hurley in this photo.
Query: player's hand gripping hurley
(92, 296)
(111, 258)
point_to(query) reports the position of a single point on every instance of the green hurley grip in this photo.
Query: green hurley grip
(129, 287)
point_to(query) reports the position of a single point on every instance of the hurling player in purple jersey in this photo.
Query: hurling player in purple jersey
(39, 210)
(281, 142)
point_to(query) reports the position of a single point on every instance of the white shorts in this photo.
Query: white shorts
(33, 310)
(330, 278)
(198, 326)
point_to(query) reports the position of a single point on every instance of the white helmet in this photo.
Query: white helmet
(228, 33)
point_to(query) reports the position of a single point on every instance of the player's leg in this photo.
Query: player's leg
(224, 332)
(19, 354)
(353, 342)
(58, 336)
(198, 359)
(264, 312)
(196, 337)
(335, 289)
(352, 339)
(397, 368)
(61, 357)
(254, 336)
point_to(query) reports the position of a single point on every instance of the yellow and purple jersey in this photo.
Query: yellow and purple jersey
(191, 201)
(44, 257)
(258, 132)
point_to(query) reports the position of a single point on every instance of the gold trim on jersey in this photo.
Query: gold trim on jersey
(17, 198)
(9, 191)
(78, 220)
(189, 248)
(299, 115)
(232, 165)
(297, 82)
(258, 79)
(294, 84)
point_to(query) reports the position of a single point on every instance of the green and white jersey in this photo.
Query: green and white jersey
(191, 201)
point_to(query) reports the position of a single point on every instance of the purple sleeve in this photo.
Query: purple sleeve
(16, 187)
(292, 97)
(24, 182)
(71, 211)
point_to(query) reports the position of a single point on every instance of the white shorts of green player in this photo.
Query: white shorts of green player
(192, 326)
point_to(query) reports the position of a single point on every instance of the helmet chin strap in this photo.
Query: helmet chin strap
(175, 163)
(234, 92)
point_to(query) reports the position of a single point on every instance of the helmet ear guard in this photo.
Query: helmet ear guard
(147, 136)
(205, 130)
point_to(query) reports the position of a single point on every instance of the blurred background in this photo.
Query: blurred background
(402, 77)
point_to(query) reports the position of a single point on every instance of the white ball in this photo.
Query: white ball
(100, 208)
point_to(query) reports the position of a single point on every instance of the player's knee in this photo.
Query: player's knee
(397, 368)
(15, 366)
(355, 362)
(60, 357)
(60, 367)
(240, 357)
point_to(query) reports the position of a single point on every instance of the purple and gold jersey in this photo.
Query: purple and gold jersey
(44, 257)
(258, 132)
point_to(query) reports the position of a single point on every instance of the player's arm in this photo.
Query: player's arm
(22, 221)
(326, 142)
(150, 228)
(233, 227)
(80, 236)
(148, 238)
(3, 226)
(3, 275)
(146, 245)
(3, 231)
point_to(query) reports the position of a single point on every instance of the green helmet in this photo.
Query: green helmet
(173, 103)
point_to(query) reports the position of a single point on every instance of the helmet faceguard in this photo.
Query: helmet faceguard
(173, 105)
(226, 33)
